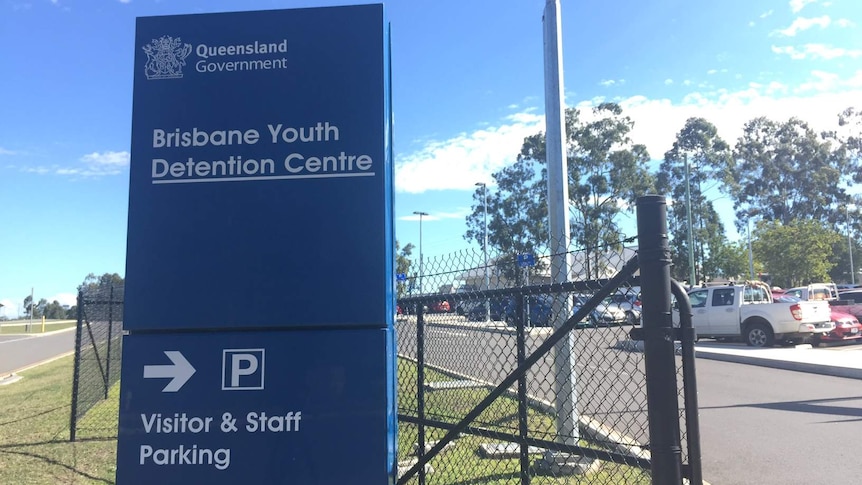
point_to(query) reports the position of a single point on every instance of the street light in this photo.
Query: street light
(691, 282)
(850, 244)
(485, 246)
(421, 263)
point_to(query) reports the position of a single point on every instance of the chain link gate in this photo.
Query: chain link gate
(98, 354)
(479, 385)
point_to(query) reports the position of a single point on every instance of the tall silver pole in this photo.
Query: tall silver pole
(750, 254)
(558, 214)
(485, 247)
(32, 307)
(850, 246)
(421, 259)
(691, 280)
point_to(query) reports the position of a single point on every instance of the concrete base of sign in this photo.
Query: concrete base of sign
(404, 466)
(557, 463)
(505, 450)
(460, 384)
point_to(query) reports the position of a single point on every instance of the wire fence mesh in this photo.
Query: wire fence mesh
(577, 415)
(98, 357)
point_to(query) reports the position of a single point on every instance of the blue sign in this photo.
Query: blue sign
(260, 168)
(401, 277)
(526, 259)
(244, 407)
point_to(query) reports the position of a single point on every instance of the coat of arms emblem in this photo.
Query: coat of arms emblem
(166, 58)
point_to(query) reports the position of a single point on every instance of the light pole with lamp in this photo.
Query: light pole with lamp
(485, 246)
(421, 262)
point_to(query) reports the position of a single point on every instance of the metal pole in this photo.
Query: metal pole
(659, 356)
(750, 254)
(558, 215)
(421, 259)
(485, 248)
(691, 281)
(850, 246)
(73, 418)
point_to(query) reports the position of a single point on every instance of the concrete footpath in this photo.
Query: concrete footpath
(841, 360)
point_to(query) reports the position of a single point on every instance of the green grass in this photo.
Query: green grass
(34, 432)
(462, 463)
(35, 447)
(20, 326)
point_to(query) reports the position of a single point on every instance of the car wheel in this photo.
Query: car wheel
(759, 335)
(631, 319)
(815, 340)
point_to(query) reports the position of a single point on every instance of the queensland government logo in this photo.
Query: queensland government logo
(166, 57)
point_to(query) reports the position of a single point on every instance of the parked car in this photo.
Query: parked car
(749, 312)
(476, 311)
(628, 301)
(847, 326)
(539, 310)
(441, 306)
(606, 313)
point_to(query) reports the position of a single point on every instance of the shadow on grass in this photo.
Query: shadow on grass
(6, 449)
(24, 418)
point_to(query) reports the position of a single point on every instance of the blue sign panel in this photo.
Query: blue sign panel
(261, 174)
(256, 407)
(526, 259)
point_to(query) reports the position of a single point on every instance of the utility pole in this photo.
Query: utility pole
(421, 259)
(558, 214)
(485, 247)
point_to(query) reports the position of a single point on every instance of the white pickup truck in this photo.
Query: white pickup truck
(829, 293)
(748, 312)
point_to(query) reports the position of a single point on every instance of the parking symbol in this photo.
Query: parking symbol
(242, 369)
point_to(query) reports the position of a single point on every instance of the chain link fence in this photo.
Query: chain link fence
(98, 354)
(475, 357)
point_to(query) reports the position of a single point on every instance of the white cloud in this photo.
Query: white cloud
(817, 51)
(712, 71)
(63, 299)
(612, 82)
(458, 214)
(94, 164)
(803, 23)
(844, 23)
(767, 14)
(668, 82)
(458, 162)
(797, 5)
(4, 151)
(9, 308)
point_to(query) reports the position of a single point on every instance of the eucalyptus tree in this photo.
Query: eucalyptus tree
(698, 163)
(402, 266)
(797, 253)
(606, 173)
(517, 215)
(785, 171)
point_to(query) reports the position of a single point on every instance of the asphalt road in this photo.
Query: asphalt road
(18, 351)
(759, 425)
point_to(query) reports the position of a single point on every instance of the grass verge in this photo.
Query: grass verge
(34, 432)
(20, 327)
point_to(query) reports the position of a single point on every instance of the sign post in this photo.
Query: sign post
(261, 166)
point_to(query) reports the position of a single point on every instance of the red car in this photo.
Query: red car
(847, 327)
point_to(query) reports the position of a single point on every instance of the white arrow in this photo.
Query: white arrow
(179, 372)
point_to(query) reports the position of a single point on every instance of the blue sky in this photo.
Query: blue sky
(467, 88)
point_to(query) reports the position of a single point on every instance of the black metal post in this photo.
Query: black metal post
(73, 419)
(689, 386)
(521, 344)
(660, 363)
(110, 327)
(420, 383)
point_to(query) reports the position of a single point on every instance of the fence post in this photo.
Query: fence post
(521, 343)
(73, 419)
(659, 359)
(420, 384)
(108, 380)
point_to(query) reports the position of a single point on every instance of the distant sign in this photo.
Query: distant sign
(401, 277)
(526, 259)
